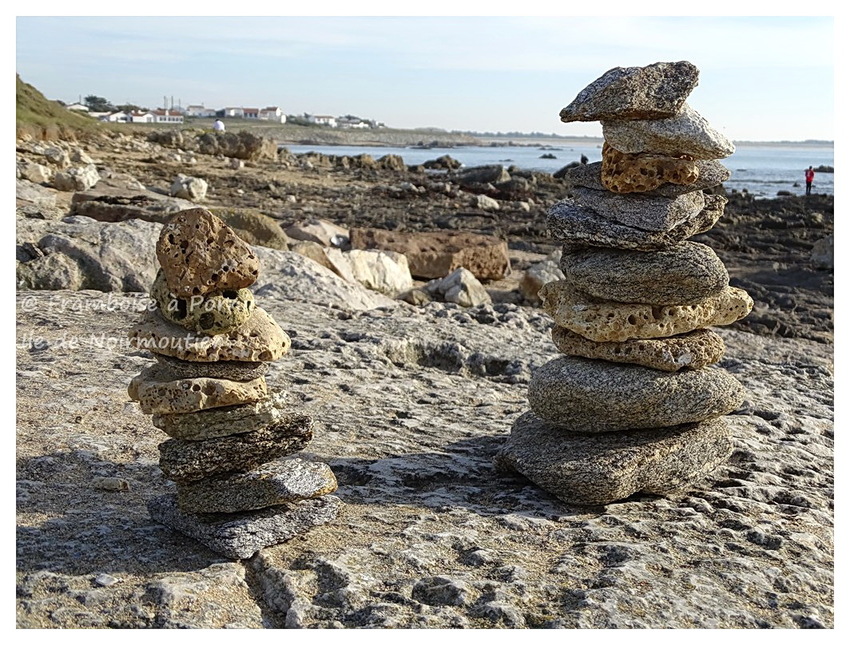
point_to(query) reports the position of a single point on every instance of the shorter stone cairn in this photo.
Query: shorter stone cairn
(634, 405)
(207, 391)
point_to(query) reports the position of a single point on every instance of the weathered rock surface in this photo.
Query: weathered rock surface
(186, 461)
(319, 231)
(656, 214)
(232, 370)
(582, 395)
(709, 174)
(643, 172)
(253, 227)
(436, 254)
(199, 254)
(571, 222)
(608, 321)
(460, 287)
(693, 350)
(258, 339)
(193, 189)
(107, 203)
(684, 274)
(536, 276)
(656, 91)
(271, 484)
(603, 468)
(238, 145)
(241, 535)
(386, 272)
(222, 422)
(77, 178)
(159, 392)
(687, 133)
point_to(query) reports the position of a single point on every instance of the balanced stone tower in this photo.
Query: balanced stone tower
(207, 391)
(634, 405)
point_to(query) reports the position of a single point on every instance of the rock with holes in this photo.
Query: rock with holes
(259, 338)
(693, 350)
(643, 172)
(583, 395)
(200, 254)
(273, 483)
(222, 422)
(582, 468)
(210, 314)
(710, 173)
(159, 392)
(609, 321)
(682, 275)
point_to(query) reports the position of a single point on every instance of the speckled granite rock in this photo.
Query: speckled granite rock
(159, 393)
(638, 173)
(210, 314)
(222, 422)
(569, 221)
(609, 321)
(258, 339)
(684, 274)
(231, 370)
(710, 173)
(241, 535)
(582, 395)
(656, 91)
(693, 350)
(638, 211)
(686, 133)
(200, 254)
(272, 484)
(604, 468)
(186, 461)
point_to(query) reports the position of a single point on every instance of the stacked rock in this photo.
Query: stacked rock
(634, 404)
(208, 392)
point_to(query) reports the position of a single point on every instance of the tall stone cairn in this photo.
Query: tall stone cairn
(634, 404)
(207, 391)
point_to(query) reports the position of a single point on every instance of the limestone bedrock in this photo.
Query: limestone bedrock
(693, 350)
(609, 321)
(200, 254)
(687, 133)
(640, 173)
(158, 392)
(222, 422)
(569, 221)
(260, 338)
(210, 314)
(657, 214)
(604, 468)
(583, 395)
(684, 274)
(710, 173)
(656, 91)
(232, 370)
(271, 484)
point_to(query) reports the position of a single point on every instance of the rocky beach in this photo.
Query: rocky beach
(410, 296)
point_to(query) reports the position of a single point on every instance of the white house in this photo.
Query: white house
(199, 111)
(322, 120)
(352, 122)
(116, 117)
(230, 111)
(141, 117)
(273, 113)
(167, 116)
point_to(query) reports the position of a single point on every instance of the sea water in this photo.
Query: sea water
(759, 169)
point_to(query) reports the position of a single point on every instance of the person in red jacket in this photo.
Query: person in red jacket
(810, 177)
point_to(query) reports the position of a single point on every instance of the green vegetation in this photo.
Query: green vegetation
(45, 119)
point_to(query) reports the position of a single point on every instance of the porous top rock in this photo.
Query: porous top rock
(569, 221)
(656, 91)
(605, 468)
(583, 395)
(639, 211)
(260, 338)
(687, 133)
(640, 173)
(681, 275)
(200, 254)
(693, 350)
(710, 173)
(607, 321)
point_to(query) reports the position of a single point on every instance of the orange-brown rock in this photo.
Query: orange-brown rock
(641, 172)
(199, 254)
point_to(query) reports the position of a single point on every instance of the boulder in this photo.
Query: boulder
(656, 91)
(386, 272)
(823, 252)
(392, 162)
(319, 231)
(238, 145)
(57, 156)
(115, 204)
(485, 203)
(192, 188)
(459, 287)
(76, 179)
(33, 193)
(253, 227)
(536, 276)
(436, 254)
(445, 162)
(481, 175)
(33, 172)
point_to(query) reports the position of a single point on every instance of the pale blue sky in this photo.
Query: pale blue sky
(762, 78)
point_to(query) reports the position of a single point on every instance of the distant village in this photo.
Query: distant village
(176, 115)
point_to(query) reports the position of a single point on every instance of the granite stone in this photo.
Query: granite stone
(609, 321)
(684, 274)
(656, 91)
(242, 535)
(271, 484)
(710, 173)
(231, 370)
(594, 469)
(655, 214)
(186, 461)
(584, 395)
(693, 350)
